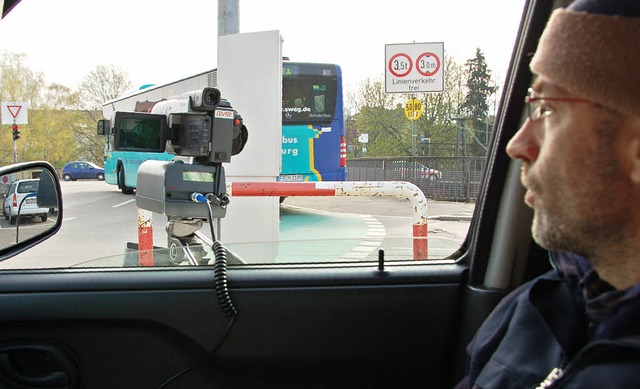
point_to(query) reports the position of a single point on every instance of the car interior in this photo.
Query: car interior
(347, 325)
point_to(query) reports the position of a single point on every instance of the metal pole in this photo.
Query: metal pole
(413, 131)
(414, 135)
(228, 17)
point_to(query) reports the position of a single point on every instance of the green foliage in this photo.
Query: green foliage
(381, 116)
(18, 83)
(479, 89)
(476, 104)
(102, 84)
(61, 122)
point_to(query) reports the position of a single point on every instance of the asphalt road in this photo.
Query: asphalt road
(392, 217)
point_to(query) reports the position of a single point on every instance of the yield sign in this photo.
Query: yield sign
(14, 113)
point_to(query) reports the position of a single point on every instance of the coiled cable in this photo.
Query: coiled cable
(220, 279)
(221, 288)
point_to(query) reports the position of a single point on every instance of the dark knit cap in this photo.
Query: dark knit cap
(628, 8)
(591, 48)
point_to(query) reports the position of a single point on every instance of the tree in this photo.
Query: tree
(102, 84)
(381, 115)
(476, 106)
(438, 110)
(49, 136)
(62, 122)
(18, 83)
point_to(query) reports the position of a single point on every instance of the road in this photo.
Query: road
(391, 222)
(354, 227)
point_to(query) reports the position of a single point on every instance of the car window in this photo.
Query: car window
(28, 187)
(384, 125)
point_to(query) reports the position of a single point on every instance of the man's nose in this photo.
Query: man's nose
(524, 145)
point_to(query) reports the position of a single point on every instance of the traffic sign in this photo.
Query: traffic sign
(14, 113)
(414, 67)
(413, 109)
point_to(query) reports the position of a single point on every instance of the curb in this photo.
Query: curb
(451, 218)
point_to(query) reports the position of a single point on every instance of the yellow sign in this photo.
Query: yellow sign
(413, 109)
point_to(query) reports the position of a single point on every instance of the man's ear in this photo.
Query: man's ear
(634, 149)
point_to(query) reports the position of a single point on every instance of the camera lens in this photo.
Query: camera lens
(211, 98)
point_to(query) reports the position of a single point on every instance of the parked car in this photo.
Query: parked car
(413, 170)
(20, 201)
(428, 173)
(79, 170)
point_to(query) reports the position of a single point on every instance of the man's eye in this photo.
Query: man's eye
(545, 110)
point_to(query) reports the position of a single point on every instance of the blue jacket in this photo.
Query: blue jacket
(567, 327)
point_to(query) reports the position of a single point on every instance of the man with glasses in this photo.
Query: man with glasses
(578, 326)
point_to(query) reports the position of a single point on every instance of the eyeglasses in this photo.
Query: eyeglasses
(537, 111)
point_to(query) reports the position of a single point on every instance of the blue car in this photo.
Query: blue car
(79, 170)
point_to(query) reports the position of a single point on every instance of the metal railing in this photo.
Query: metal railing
(439, 178)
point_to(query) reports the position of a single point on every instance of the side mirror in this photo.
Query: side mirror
(103, 127)
(30, 222)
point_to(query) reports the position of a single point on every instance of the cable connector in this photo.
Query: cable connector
(198, 197)
(221, 201)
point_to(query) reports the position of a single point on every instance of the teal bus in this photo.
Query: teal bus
(127, 149)
(313, 125)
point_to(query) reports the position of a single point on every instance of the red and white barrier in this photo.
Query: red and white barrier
(145, 237)
(348, 188)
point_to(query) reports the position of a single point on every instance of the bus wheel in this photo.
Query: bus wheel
(125, 189)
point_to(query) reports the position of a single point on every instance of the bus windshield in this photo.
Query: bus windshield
(308, 98)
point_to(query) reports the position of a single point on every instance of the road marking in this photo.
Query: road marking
(373, 239)
(125, 203)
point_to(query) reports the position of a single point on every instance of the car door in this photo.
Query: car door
(84, 170)
(374, 325)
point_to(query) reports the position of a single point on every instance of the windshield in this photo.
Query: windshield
(297, 139)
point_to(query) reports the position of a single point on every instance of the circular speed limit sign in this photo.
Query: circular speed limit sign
(413, 109)
(428, 64)
(400, 65)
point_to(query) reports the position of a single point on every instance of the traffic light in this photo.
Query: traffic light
(16, 133)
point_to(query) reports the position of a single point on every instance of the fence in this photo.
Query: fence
(439, 178)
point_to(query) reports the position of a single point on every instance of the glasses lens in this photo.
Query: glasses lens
(534, 109)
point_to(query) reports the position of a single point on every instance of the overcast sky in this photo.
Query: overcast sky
(160, 41)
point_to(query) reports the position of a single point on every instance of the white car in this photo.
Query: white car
(20, 200)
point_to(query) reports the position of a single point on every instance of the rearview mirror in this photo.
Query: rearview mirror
(103, 127)
(31, 206)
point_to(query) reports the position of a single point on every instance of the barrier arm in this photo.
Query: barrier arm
(403, 189)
